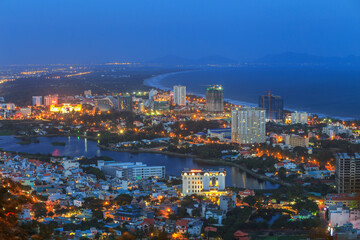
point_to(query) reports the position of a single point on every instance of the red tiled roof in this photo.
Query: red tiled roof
(182, 223)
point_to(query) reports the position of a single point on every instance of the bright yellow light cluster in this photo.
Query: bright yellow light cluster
(65, 108)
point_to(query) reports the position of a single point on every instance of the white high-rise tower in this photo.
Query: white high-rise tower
(180, 95)
(248, 125)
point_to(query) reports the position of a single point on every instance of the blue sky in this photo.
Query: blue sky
(89, 31)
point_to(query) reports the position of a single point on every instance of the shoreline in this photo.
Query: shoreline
(155, 82)
(215, 162)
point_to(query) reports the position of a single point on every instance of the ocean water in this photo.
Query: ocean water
(324, 91)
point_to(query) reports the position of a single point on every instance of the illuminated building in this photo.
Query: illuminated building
(161, 105)
(37, 100)
(214, 99)
(141, 107)
(51, 100)
(25, 111)
(125, 103)
(299, 117)
(296, 140)
(130, 170)
(347, 172)
(207, 182)
(248, 125)
(65, 108)
(180, 95)
(274, 106)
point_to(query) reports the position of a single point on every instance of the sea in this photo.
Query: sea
(328, 92)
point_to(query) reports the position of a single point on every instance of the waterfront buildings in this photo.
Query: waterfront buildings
(130, 170)
(335, 129)
(220, 133)
(274, 106)
(347, 172)
(207, 182)
(180, 95)
(51, 100)
(37, 100)
(248, 125)
(214, 99)
(299, 117)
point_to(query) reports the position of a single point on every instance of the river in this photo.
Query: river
(77, 147)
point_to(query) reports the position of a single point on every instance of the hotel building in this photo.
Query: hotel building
(51, 100)
(203, 182)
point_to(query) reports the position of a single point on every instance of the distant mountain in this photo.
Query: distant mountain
(290, 58)
(176, 61)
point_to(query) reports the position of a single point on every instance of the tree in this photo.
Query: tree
(123, 199)
(50, 214)
(251, 200)
(39, 210)
(282, 173)
(306, 204)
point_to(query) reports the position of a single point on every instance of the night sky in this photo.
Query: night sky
(88, 31)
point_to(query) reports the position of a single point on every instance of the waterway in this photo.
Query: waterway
(77, 147)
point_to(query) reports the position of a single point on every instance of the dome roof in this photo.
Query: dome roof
(103, 107)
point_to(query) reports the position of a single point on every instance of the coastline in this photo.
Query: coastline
(156, 82)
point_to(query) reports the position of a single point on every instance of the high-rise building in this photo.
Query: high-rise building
(125, 103)
(37, 100)
(274, 106)
(51, 100)
(347, 172)
(152, 94)
(215, 99)
(180, 95)
(299, 117)
(208, 182)
(248, 125)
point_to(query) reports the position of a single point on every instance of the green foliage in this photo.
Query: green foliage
(306, 204)
(234, 221)
(123, 199)
(211, 150)
(259, 162)
(190, 127)
(58, 143)
(39, 210)
(97, 172)
(251, 200)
